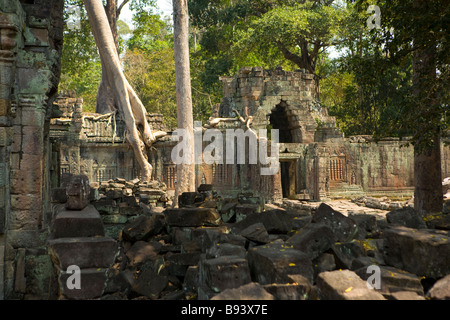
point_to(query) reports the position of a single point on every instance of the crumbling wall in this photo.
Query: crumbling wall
(31, 41)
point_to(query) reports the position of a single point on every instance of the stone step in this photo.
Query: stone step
(78, 223)
(92, 283)
(84, 252)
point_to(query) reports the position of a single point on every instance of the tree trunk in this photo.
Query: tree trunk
(427, 160)
(105, 96)
(185, 171)
(129, 105)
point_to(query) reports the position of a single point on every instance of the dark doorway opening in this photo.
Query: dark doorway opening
(279, 120)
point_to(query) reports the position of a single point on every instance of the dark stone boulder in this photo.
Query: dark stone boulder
(407, 217)
(192, 217)
(314, 239)
(144, 227)
(344, 228)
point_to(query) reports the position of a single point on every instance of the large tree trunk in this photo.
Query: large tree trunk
(185, 171)
(105, 96)
(427, 160)
(129, 105)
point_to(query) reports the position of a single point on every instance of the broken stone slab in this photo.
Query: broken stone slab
(344, 285)
(142, 251)
(274, 221)
(86, 252)
(77, 223)
(272, 263)
(345, 253)
(224, 272)
(324, 262)
(189, 199)
(314, 239)
(250, 291)
(226, 249)
(92, 284)
(344, 228)
(367, 225)
(144, 227)
(242, 211)
(424, 252)
(150, 284)
(227, 211)
(256, 233)
(298, 288)
(393, 280)
(406, 295)
(441, 289)
(192, 217)
(178, 263)
(407, 217)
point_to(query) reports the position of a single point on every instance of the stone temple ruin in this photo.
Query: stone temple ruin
(70, 195)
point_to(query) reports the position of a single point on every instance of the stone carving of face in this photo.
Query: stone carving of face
(78, 192)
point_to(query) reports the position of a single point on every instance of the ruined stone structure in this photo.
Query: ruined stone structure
(316, 161)
(31, 34)
(44, 139)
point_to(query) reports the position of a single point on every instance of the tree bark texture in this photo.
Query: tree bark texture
(185, 171)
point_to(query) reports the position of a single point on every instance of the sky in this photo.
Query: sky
(165, 6)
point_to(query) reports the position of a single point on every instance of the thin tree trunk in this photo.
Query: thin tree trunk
(427, 161)
(185, 172)
(129, 105)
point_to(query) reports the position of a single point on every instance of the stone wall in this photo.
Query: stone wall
(31, 35)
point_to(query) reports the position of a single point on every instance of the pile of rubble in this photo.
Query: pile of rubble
(120, 201)
(213, 248)
(241, 248)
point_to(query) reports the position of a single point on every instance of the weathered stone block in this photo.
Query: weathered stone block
(225, 272)
(250, 291)
(424, 252)
(407, 217)
(394, 280)
(441, 289)
(82, 223)
(344, 285)
(87, 252)
(272, 263)
(92, 284)
(142, 251)
(192, 217)
(313, 239)
(345, 253)
(144, 227)
(256, 232)
(344, 228)
(179, 262)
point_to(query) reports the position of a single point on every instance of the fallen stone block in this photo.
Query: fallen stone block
(178, 263)
(273, 262)
(192, 217)
(344, 285)
(344, 228)
(242, 211)
(297, 289)
(440, 290)
(78, 223)
(144, 227)
(314, 239)
(407, 217)
(393, 280)
(424, 252)
(250, 291)
(225, 272)
(324, 262)
(92, 284)
(88, 252)
(367, 225)
(226, 249)
(256, 233)
(142, 251)
(406, 295)
(150, 284)
(274, 221)
(345, 253)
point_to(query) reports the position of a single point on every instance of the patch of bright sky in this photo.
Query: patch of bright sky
(164, 6)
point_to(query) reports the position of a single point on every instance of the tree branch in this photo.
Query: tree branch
(119, 9)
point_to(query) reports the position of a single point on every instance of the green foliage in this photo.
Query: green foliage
(80, 63)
